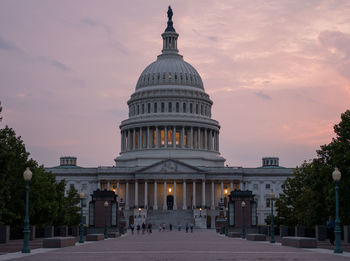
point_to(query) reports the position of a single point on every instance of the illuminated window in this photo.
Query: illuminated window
(154, 138)
(177, 138)
(170, 137)
(169, 76)
(186, 143)
(162, 138)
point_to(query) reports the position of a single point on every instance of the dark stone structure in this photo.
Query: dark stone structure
(97, 209)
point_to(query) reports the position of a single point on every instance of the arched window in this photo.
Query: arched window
(191, 108)
(138, 109)
(197, 108)
(162, 107)
(177, 107)
(143, 108)
(148, 108)
(170, 107)
(155, 107)
(184, 107)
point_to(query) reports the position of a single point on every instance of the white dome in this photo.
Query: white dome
(169, 69)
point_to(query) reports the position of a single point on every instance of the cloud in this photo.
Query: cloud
(262, 95)
(60, 66)
(95, 23)
(7, 45)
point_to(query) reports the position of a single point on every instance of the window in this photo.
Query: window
(170, 137)
(148, 108)
(177, 107)
(184, 107)
(202, 111)
(255, 186)
(267, 186)
(197, 108)
(162, 138)
(267, 203)
(170, 107)
(162, 107)
(138, 109)
(155, 107)
(143, 108)
(191, 108)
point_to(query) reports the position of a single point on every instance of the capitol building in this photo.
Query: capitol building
(170, 164)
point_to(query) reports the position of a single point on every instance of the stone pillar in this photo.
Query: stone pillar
(128, 142)
(127, 195)
(155, 204)
(164, 198)
(222, 190)
(231, 186)
(182, 137)
(140, 138)
(212, 205)
(157, 137)
(210, 140)
(218, 148)
(121, 141)
(175, 204)
(191, 135)
(174, 137)
(118, 196)
(108, 185)
(134, 139)
(184, 205)
(194, 195)
(136, 193)
(165, 136)
(199, 138)
(148, 138)
(146, 195)
(99, 184)
(205, 139)
(203, 194)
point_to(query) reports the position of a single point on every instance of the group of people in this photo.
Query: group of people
(162, 227)
(141, 228)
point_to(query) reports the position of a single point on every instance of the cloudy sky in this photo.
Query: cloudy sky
(277, 71)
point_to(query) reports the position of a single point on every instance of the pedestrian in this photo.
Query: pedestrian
(163, 227)
(186, 228)
(132, 228)
(143, 228)
(191, 227)
(150, 228)
(330, 229)
(179, 227)
(171, 227)
(138, 228)
(160, 227)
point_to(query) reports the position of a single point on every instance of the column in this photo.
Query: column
(205, 139)
(175, 205)
(136, 193)
(108, 185)
(146, 195)
(184, 205)
(231, 186)
(134, 139)
(155, 204)
(121, 141)
(212, 205)
(203, 193)
(222, 190)
(128, 143)
(140, 138)
(164, 198)
(148, 138)
(157, 137)
(127, 195)
(210, 140)
(191, 144)
(118, 196)
(182, 137)
(165, 136)
(199, 137)
(194, 195)
(174, 137)
(99, 184)
(218, 149)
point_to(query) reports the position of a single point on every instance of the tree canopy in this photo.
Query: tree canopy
(47, 205)
(309, 197)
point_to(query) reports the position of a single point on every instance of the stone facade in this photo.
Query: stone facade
(170, 157)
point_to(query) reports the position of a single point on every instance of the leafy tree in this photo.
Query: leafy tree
(72, 200)
(309, 197)
(47, 205)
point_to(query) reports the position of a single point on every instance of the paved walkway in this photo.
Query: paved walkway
(201, 245)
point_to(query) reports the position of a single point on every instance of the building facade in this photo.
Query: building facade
(170, 158)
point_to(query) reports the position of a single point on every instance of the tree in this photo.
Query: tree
(72, 216)
(309, 197)
(47, 203)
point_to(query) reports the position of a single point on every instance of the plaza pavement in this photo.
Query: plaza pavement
(201, 245)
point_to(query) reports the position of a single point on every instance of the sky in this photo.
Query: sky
(277, 71)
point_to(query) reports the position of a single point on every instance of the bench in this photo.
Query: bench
(301, 242)
(94, 237)
(234, 234)
(58, 242)
(113, 234)
(256, 237)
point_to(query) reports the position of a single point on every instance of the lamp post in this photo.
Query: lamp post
(81, 232)
(106, 229)
(26, 231)
(272, 229)
(200, 212)
(243, 204)
(139, 212)
(336, 177)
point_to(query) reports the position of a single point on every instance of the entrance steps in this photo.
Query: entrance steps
(174, 217)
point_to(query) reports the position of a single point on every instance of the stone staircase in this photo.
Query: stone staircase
(174, 217)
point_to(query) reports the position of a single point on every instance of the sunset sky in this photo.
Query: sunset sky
(278, 72)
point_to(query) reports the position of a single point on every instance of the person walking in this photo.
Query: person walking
(191, 227)
(186, 228)
(149, 228)
(330, 229)
(143, 228)
(138, 228)
(132, 227)
(171, 227)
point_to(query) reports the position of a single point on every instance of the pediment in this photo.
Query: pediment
(169, 166)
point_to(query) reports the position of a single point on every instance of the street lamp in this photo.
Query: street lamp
(81, 232)
(243, 204)
(336, 177)
(139, 212)
(272, 229)
(26, 231)
(200, 212)
(106, 230)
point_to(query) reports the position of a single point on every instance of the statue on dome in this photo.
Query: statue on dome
(170, 13)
